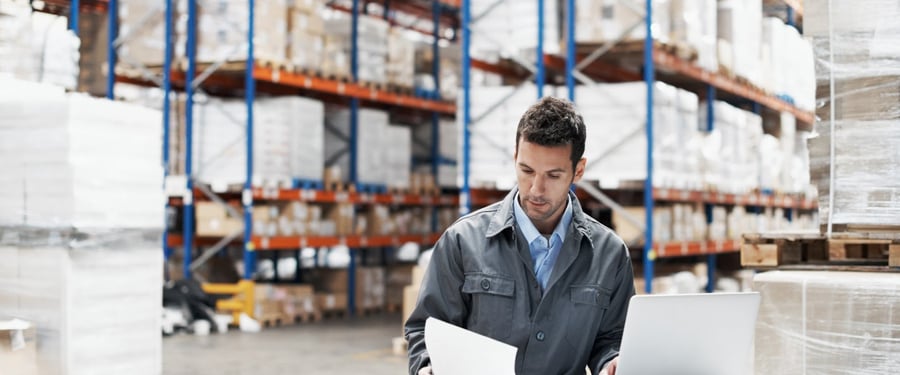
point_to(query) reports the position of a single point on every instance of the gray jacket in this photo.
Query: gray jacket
(481, 278)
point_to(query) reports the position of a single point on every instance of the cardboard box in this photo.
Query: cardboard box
(213, 220)
(18, 348)
(331, 301)
(827, 322)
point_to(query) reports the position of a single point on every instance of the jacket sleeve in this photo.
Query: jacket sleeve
(609, 338)
(439, 297)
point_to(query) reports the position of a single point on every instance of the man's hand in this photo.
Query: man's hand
(610, 368)
(425, 371)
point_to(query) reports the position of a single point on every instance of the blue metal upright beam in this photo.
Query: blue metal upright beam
(708, 208)
(74, 8)
(649, 78)
(247, 198)
(790, 17)
(188, 225)
(354, 134)
(539, 76)
(465, 194)
(112, 33)
(570, 48)
(167, 110)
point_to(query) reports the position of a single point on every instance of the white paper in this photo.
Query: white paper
(457, 351)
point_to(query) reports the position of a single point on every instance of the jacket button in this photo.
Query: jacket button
(539, 336)
(485, 284)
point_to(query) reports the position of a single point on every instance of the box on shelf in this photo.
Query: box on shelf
(70, 160)
(18, 349)
(370, 286)
(740, 32)
(827, 322)
(306, 45)
(370, 155)
(214, 220)
(331, 302)
(93, 304)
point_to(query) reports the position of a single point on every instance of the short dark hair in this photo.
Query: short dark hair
(553, 122)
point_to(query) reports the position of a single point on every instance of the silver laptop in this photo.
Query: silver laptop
(696, 334)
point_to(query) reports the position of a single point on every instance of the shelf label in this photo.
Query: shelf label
(307, 82)
(341, 197)
(264, 243)
(685, 195)
(276, 75)
(684, 248)
(398, 198)
(340, 88)
(307, 195)
(363, 242)
(664, 193)
(304, 242)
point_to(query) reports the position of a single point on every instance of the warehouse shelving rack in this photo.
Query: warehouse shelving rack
(276, 80)
(585, 67)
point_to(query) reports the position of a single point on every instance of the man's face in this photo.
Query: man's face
(544, 174)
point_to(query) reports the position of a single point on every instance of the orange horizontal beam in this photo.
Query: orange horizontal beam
(296, 242)
(689, 248)
(756, 199)
(668, 61)
(350, 90)
(325, 196)
(292, 243)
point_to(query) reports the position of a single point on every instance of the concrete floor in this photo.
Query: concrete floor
(331, 346)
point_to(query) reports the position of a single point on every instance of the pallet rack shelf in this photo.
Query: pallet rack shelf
(658, 64)
(253, 76)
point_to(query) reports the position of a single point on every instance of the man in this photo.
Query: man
(533, 270)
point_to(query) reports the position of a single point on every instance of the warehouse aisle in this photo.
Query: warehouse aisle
(336, 346)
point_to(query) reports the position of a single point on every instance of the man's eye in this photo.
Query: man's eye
(554, 176)
(527, 171)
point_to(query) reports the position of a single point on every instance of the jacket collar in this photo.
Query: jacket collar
(504, 217)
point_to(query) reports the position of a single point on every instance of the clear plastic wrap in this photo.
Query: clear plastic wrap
(826, 323)
(857, 51)
(93, 297)
(70, 160)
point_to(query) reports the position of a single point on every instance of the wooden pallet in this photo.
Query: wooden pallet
(778, 250)
(305, 317)
(274, 320)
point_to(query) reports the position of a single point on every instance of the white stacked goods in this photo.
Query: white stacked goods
(401, 58)
(89, 319)
(694, 24)
(511, 27)
(306, 44)
(288, 143)
(37, 46)
(398, 156)
(814, 322)
(788, 64)
(493, 137)
(75, 161)
(448, 150)
(450, 56)
(860, 59)
(612, 20)
(615, 116)
(370, 145)
(221, 31)
(372, 47)
(739, 33)
(731, 155)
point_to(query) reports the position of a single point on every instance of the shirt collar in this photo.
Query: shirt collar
(531, 233)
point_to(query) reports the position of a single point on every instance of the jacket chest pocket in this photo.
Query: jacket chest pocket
(589, 304)
(493, 301)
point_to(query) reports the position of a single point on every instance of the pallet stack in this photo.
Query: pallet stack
(844, 320)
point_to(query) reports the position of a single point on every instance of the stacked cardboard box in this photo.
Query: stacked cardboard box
(731, 154)
(511, 28)
(740, 33)
(306, 46)
(814, 322)
(285, 146)
(82, 306)
(448, 141)
(411, 292)
(372, 43)
(73, 160)
(398, 156)
(860, 58)
(371, 133)
(788, 64)
(449, 80)
(401, 58)
(37, 46)
(332, 284)
(215, 221)
(399, 276)
(18, 350)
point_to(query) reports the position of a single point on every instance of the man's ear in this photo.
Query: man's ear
(579, 170)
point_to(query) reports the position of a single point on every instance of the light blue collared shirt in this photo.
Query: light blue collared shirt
(544, 251)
